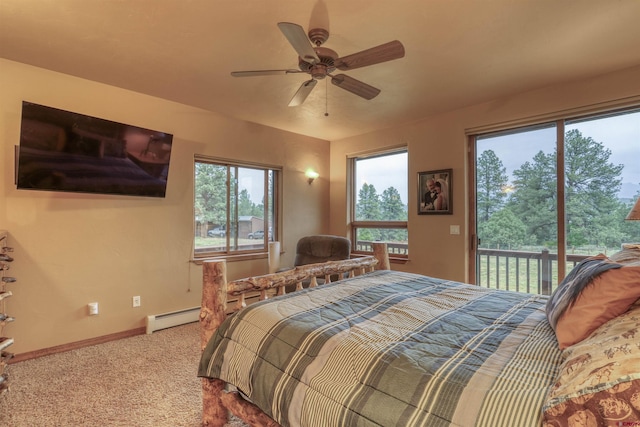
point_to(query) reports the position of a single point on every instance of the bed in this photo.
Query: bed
(386, 348)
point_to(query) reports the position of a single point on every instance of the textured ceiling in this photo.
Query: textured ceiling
(458, 52)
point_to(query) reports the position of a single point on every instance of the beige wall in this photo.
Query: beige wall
(72, 249)
(439, 142)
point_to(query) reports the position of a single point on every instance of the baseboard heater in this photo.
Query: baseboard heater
(174, 318)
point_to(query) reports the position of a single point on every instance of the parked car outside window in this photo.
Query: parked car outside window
(216, 232)
(256, 235)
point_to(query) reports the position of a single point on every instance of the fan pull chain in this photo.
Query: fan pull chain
(326, 97)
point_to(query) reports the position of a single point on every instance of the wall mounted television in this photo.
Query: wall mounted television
(64, 151)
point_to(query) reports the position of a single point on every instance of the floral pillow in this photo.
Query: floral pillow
(599, 380)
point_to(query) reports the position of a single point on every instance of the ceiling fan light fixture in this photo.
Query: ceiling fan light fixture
(320, 62)
(318, 36)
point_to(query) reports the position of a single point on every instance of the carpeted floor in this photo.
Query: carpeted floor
(146, 380)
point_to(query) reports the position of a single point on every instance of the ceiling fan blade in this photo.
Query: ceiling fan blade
(299, 40)
(254, 73)
(302, 93)
(375, 55)
(355, 86)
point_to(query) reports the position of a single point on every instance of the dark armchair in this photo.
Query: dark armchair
(322, 248)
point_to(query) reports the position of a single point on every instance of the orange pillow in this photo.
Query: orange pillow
(607, 296)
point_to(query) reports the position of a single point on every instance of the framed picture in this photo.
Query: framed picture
(435, 192)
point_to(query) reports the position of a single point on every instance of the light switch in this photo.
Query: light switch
(454, 229)
(93, 308)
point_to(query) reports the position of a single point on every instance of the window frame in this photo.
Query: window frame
(274, 208)
(352, 194)
(559, 120)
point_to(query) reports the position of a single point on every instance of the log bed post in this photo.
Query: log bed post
(212, 313)
(381, 253)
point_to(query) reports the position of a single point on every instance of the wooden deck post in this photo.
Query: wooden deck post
(212, 314)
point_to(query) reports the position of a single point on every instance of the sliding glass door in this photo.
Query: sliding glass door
(550, 195)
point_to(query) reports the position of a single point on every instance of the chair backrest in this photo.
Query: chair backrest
(322, 248)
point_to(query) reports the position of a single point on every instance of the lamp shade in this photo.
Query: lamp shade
(634, 213)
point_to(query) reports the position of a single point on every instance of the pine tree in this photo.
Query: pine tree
(392, 209)
(535, 198)
(211, 194)
(245, 205)
(592, 183)
(491, 180)
(368, 206)
(391, 206)
(368, 209)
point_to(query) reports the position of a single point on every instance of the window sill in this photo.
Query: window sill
(263, 255)
(231, 258)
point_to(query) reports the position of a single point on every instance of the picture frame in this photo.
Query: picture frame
(435, 192)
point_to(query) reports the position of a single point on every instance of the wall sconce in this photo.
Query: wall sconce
(311, 175)
(634, 213)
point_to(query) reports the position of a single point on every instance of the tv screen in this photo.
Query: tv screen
(64, 151)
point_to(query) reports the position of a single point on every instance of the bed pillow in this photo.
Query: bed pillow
(598, 382)
(594, 292)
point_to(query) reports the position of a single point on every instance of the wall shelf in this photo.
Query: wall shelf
(5, 282)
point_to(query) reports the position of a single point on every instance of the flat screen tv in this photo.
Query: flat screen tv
(64, 151)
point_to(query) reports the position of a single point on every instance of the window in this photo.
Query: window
(379, 198)
(235, 207)
(548, 196)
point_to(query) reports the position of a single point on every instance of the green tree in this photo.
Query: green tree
(245, 205)
(391, 206)
(210, 191)
(630, 229)
(368, 209)
(535, 198)
(592, 183)
(392, 209)
(491, 177)
(503, 230)
(368, 206)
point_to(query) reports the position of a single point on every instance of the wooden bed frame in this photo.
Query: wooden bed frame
(216, 402)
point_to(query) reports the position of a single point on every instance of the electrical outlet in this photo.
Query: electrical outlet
(136, 301)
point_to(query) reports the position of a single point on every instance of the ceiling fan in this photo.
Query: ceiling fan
(320, 62)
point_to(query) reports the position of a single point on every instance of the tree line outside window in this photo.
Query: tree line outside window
(521, 212)
(234, 207)
(379, 203)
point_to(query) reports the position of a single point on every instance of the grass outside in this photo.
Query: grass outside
(221, 242)
(515, 274)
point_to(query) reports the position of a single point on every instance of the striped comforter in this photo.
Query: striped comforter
(390, 349)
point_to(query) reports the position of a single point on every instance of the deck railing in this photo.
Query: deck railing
(393, 248)
(521, 271)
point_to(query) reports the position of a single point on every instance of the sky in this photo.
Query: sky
(383, 173)
(620, 134)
